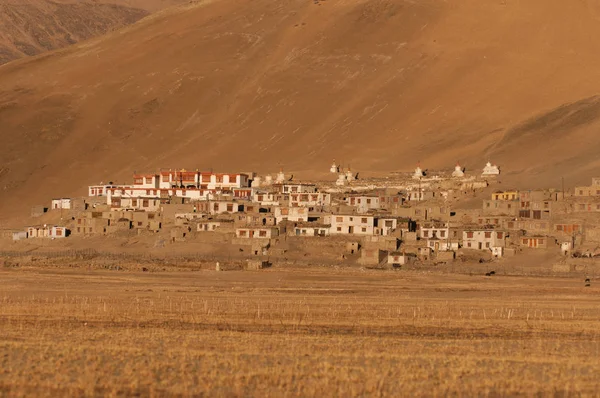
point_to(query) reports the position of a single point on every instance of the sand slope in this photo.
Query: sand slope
(31, 27)
(378, 84)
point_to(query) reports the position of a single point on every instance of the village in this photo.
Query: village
(399, 221)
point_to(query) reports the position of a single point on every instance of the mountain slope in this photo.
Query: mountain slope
(30, 27)
(379, 84)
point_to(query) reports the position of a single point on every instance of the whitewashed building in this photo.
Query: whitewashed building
(351, 224)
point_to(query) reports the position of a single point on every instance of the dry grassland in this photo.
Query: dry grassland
(295, 333)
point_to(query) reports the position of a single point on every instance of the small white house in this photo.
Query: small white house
(57, 232)
(484, 239)
(397, 258)
(351, 224)
(442, 245)
(64, 203)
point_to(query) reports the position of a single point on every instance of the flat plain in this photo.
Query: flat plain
(279, 332)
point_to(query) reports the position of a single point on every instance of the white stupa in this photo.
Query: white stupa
(490, 170)
(349, 175)
(334, 168)
(280, 179)
(418, 173)
(458, 172)
(341, 180)
(269, 179)
(256, 182)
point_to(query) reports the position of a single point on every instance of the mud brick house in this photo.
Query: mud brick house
(506, 195)
(291, 214)
(500, 207)
(257, 232)
(309, 199)
(311, 229)
(295, 188)
(534, 242)
(531, 226)
(593, 190)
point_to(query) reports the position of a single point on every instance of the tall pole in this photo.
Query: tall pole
(563, 187)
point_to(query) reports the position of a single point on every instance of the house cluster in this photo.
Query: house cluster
(381, 224)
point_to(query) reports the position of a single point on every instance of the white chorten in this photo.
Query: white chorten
(256, 182)
(458, 172)
(280, 177)
(334, 168)
(418, 173)
(341, 180)
(490, 170)
(269, 179)
(349, 175)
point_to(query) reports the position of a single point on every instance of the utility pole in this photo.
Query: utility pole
(563, 187)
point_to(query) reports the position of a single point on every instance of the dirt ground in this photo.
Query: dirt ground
(295, 333)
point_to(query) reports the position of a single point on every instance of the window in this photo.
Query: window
(263, 233)
(559, 227)
(139, 223)
(525, 241)
(146, 203)
(59, 232)
(469, 244)
(389, 223)
(339, 219)
(425, 233)
(339, 229)
(368, 201)
(509, 206)
(364, 229)
(470, 236)
(487, 204)
(79, 221)
(364, 220)
(443, 234)
(230, 207)
(488, 234)
(487, 245)
(78, 229)
(216, 207)
(540, 241)
(581, 192)
(242, 233)
(500, 235)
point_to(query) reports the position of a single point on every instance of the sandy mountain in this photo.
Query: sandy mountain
(30, 27)
(378, 84)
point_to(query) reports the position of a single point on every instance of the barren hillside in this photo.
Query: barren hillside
(380, 84)
(30, 27)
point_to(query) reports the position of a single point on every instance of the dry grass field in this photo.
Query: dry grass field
(295, 333)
